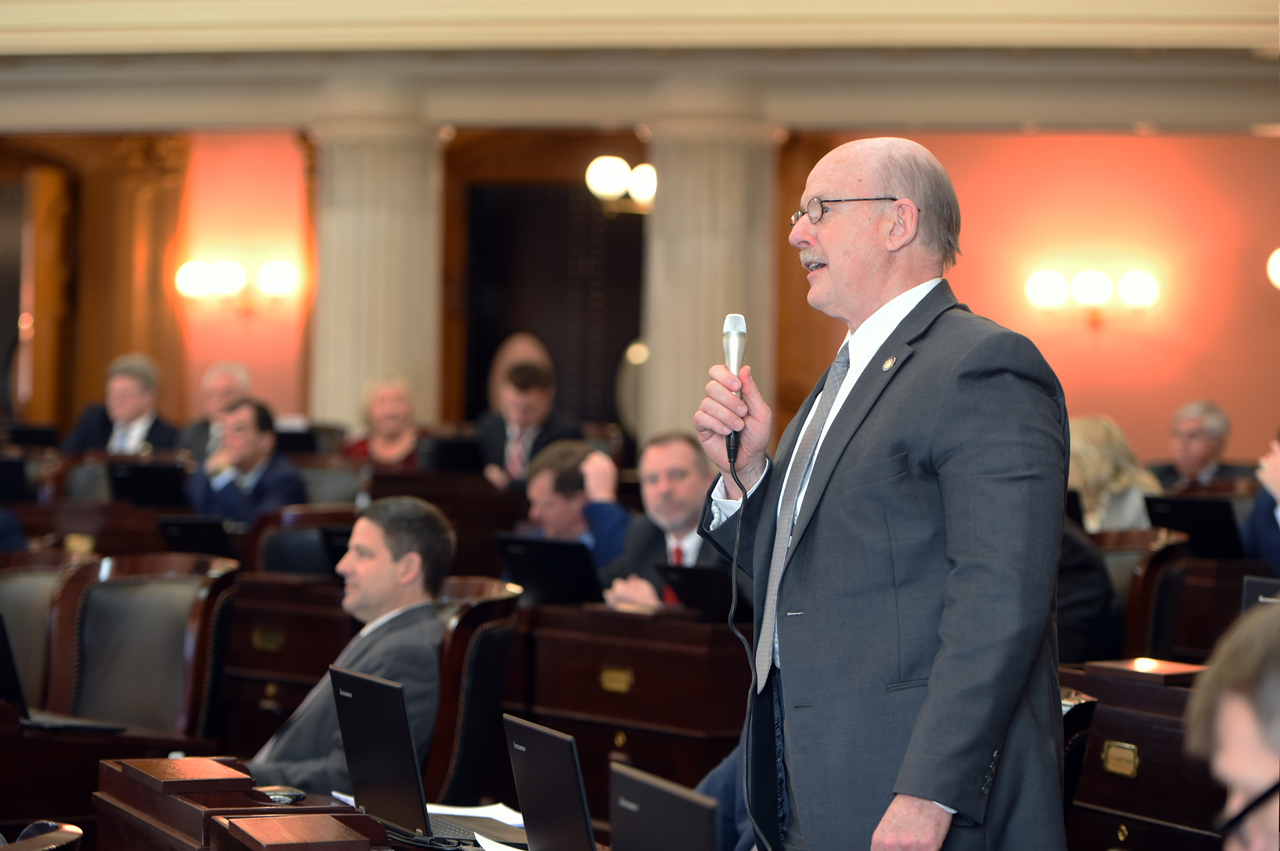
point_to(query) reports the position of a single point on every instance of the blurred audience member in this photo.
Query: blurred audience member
(223, 383)
(392, 440)
(1261, 530)
(246, 476)
(1233, 719)
(1090, 622)
(525, 424)
(675, 476)
(573, 496)
(1104, 471)
(127, 424)
(12, 540)
(1199, 438)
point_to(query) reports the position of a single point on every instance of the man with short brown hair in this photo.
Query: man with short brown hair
(525, 424)
(1233, 719)
(573, 496)
(401, 549)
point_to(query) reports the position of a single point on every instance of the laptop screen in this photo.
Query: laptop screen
(379, 748)
(548, 779)
(647, 812)
(550, 571)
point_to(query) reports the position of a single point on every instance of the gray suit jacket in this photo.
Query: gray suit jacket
(915, 617)
(307, 752)
(195, 439)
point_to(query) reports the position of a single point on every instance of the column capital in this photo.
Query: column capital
(368, 109)
(723, 129)
(683, 108)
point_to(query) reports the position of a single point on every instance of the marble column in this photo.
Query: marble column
(709, 251)
(378, 300)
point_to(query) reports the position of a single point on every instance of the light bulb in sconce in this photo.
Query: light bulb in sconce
(195, 279)
(608, 177)
(643, 183)
(1139, 289)
(277, 278)
(1047, 288)
(1273, 268)
(228, 277)
(1091, 288)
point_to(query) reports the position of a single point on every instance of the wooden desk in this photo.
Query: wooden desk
(661, 692)
(53, 773)
(286, 630)
(1163, 800)
(116, 527)
(172, 804)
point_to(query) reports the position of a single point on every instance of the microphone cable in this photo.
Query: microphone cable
(731, 449)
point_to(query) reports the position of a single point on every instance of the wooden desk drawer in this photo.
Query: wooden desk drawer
(1098, 829)
(298, 639)
(1167, 786)
(254, 707)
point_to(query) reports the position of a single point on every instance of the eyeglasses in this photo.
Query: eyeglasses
(1231, 825)
(815, 208)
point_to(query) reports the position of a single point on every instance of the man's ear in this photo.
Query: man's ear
(904, 224)
(409, 568)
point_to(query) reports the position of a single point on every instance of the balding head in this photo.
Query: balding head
(863, 253)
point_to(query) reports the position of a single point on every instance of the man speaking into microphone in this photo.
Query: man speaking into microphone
(903, 543)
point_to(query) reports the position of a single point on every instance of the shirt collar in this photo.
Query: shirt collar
(379, 621)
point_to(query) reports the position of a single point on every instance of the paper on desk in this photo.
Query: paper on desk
(491, 845)
(349, 800)
(497, 812)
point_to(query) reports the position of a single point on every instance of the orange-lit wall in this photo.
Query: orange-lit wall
(1201, 213)
(245, 200)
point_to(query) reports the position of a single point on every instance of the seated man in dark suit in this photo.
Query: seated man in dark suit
(526, 423)
(398, 556)
(1198, 439)
(246, 476)
(127, 424)
(223, 384)
(1261, 530)
(675, 476)
(573, 496)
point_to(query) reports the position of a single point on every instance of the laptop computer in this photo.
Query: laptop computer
(1260, 591)
(1210, 522)
(550, 571)
(647, 812)
(197, 534)
(11, 692)
(159, 485)
(706, 590)
(386, 780)
(553, 800)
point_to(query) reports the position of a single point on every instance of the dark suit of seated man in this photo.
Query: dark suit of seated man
(127, 424)
(1261, 530)
(246, 476)
(526, 423)
(398, 556)
(674, 478)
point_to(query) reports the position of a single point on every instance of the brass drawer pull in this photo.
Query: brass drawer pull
(1120, 758)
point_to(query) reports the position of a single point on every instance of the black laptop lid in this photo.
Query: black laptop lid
(647, 812)
(550, 571)
(148, 484)
(553, 800)
(706, 589)
(197, 534)
(379, 748)
(1210, 522)
(1260, 590)
(10, 685)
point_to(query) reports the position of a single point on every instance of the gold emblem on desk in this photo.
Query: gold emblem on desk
(617, 680)
(1120, 758)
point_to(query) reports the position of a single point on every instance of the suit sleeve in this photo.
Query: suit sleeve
(722, 537)
(83, 433)
(999, 452)
(1261, 532)
(285, 488)
(491, 434)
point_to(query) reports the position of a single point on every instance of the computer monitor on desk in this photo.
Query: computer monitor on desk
(549, 571)
(647, 812)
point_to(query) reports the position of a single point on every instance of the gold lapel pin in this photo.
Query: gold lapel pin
(887, 364)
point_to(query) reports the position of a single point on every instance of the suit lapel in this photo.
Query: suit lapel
(786, 447)
(866, 391)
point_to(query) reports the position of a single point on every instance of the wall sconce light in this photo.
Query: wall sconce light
(611, 178)
(1092, 290)
(1273, 268)
(226, 278)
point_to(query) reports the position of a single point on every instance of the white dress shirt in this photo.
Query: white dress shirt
(127, 438)
(690, 545)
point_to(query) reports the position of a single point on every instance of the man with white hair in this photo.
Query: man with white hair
(223, 383)
(903, 541)
(1233, 719)
(1198, 439)
(127, 424)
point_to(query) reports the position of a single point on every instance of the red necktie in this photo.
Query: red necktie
(668, 595)
(515, 456)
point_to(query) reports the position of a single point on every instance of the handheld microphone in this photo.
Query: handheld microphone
(735, 350)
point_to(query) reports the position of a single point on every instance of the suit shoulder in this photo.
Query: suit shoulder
(963, 333)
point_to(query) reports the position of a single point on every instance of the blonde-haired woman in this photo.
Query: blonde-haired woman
(391, 442)
(1111, 483)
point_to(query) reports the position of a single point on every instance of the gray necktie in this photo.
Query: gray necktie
(801, 462)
